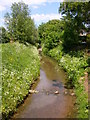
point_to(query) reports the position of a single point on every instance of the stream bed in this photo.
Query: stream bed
(53, 100)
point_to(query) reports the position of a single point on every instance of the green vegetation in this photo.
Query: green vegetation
(75, 17)
(60, 39)
(74, 64)
(19, 24)
(20, 62)
(88, 40)
(3, 35)
(20, 67)
(66, 47)
(50, 34)
(0, 79)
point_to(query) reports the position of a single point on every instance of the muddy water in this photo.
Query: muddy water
(47, 104)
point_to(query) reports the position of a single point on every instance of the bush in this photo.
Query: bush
(50, 34)
(56, 53)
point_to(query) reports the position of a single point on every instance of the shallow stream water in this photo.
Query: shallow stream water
(47, 104)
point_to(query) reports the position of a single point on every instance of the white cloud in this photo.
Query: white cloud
(4, 3)
(35, 6)
(38, 2)
(9, 2)
(2, 8)
(39, 18)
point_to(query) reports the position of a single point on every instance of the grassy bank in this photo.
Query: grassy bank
(20, 67)
(75, 65)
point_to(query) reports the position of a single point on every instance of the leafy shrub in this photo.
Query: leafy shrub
(50, 34)
(74, 67)
(56, 53)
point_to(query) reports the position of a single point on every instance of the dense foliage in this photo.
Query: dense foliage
(3, 35)
(76, 16)
(19, 24)
(74, 64)
(88, 40)
(50, 34)
(20, 67)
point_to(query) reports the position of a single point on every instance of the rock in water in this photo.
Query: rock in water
(56, 92)
(65, 92)
(47, 93)
(33, 91)
(72, 94)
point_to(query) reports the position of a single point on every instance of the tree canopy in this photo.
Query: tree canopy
(3, 35)
(19, 24)
(50, 34)
(76, 16)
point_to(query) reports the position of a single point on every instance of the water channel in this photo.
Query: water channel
(46, 103)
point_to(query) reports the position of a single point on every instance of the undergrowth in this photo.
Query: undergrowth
(75, 64)
(20, 67)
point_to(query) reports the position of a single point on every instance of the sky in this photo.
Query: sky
(41, 10)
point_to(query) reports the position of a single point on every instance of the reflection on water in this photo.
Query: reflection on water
(46, 104)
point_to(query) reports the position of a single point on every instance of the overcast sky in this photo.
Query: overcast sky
(41, 10)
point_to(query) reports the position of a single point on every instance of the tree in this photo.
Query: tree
(76, 16)
(31, 31)
(50, 34)
(20, 25)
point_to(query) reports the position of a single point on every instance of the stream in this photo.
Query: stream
(46, 103)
